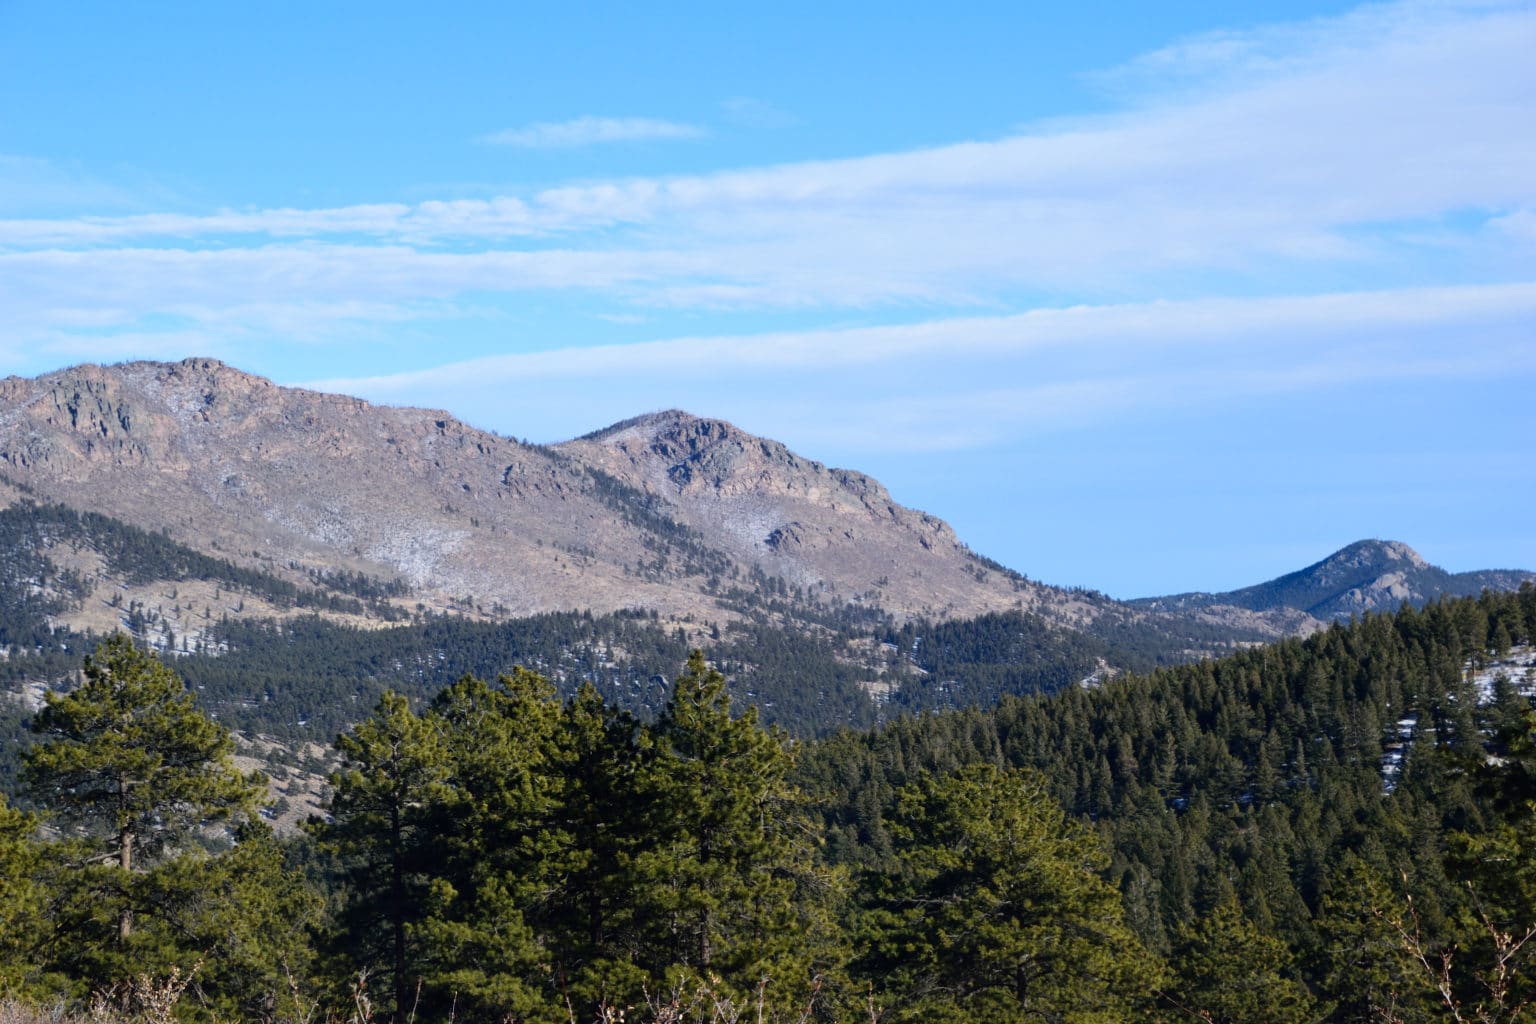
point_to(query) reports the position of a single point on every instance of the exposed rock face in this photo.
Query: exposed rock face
(1369, 575)
(828, 530)
(291, 480)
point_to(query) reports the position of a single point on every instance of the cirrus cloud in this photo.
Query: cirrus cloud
(589, 131)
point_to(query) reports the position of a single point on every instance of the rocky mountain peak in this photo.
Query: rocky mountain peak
(664, 511)
(1387, 554)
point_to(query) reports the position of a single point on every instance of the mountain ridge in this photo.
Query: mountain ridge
(666, 510)
(1364, 576)
(688, 516)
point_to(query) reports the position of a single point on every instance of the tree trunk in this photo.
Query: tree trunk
(398, 911)
(125, 861)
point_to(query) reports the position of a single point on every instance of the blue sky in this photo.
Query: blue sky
(1141, 297)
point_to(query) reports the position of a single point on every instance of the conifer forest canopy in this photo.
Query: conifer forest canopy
(1337, 828)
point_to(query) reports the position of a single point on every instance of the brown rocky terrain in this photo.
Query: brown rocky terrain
(690, 517)
(666, 511)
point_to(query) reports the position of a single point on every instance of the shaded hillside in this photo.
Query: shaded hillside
(269, 656)
(308, 679)
(1369, 575)
(963, 663)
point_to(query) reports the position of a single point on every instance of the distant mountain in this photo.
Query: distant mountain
(371, 514)
(1368, 575)
(690, 517)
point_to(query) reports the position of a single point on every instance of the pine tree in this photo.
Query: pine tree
(250, 916)
(1225, 971)
(393, 772)
(499, 848)
(592, 913)
(1496, 927)
(997, 910)
(24, 921)
(1364, 969)
(129, 760)
(727, 886)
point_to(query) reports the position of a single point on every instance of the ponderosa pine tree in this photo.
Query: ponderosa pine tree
(1224, 970)
(129, 762)
(250, 918)
(24, 919)
(138, 777)
(591, 914)
(1493, 974)
(499, 850)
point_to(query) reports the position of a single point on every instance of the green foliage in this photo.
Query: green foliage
(128, 759)
(1495, 928)
(497, 846)
(523, 857)
(726, 884)
(498, 852)
(978, 662)
(1259, 776)
(1224, 970)
(306, 678)
(393, 774)
(138, 776)
(997, 910)
(1362, 964)
(25, 923)
(973, 662)
(245, 919)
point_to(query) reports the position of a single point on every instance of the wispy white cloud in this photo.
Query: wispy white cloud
(1388, 148)
(962, 382)
(1086, 330)
(62, 188)
(588, 131)
(1519, 224)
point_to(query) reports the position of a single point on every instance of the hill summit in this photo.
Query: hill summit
(1368, 575)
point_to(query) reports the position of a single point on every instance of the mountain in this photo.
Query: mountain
(686, 516)
(1366, 576)
(370, 514)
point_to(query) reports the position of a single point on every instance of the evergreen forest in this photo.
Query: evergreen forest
(1331, 829)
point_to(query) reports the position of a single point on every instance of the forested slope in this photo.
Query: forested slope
(1293, 779)
(1332, 829)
